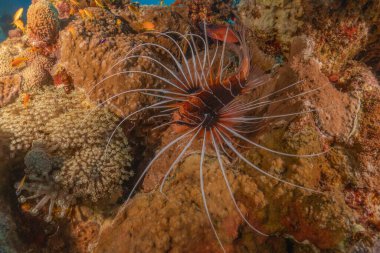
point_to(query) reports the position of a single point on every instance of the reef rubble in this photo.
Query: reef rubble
(64, 181)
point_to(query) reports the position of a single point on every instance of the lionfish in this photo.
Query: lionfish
(203, 100)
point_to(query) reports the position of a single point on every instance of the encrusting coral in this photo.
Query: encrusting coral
(68, 157)
(43, 23)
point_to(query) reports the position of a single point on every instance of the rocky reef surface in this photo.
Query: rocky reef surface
(64, 181)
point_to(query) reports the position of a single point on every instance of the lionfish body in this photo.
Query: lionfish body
(211, 92)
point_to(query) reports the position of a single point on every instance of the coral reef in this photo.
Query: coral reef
(58, 163)
(155, 222)
(340, 31)
(74, 161)
(43, 23)
(31, 74)
(332, 221)
(89, 48)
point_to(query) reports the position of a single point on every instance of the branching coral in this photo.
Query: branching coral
(74, 161)
(43, 23)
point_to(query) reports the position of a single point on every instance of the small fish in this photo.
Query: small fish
(72, 11)
(72, 30)
(20, 185)
(82, 13)
(34, 49)
(162, 2)
(25, 207)
(74, 2)
(221, 33)
(148, 26)
(89, 14)
(118, 22)
(102, 41)
(134, 9)
(177, 2)
(25, 100)
(100, 3)
(19, 24)
(18, 61)
(18, 14)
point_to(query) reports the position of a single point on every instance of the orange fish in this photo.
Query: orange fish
(72, 30)
(25, 207)
(18, 61)
(18, 14)
(25, 100)
(74, 2)
(82, 14)
(100, 3)
(21, 185)
(118, 22)
(19, 24)
(34, 49)
(148, 26)
(221, 33)
(88, 14)
(134, 9)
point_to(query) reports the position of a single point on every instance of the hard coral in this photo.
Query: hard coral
(89, 48)
(34, 77)
(43, 24)
(92, 173)
(73, 164)
(153, 222)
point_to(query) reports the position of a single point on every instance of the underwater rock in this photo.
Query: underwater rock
(42, 24)
(339, 106)
(9, 240)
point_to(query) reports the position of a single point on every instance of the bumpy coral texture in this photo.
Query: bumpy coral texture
(43, 23)
(155, 222)
(35, 77)
(74, 135)
(89, 48)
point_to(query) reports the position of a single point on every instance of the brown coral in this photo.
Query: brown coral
(43, 24)
(154, 222)
(35, 77)
(89, 49)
